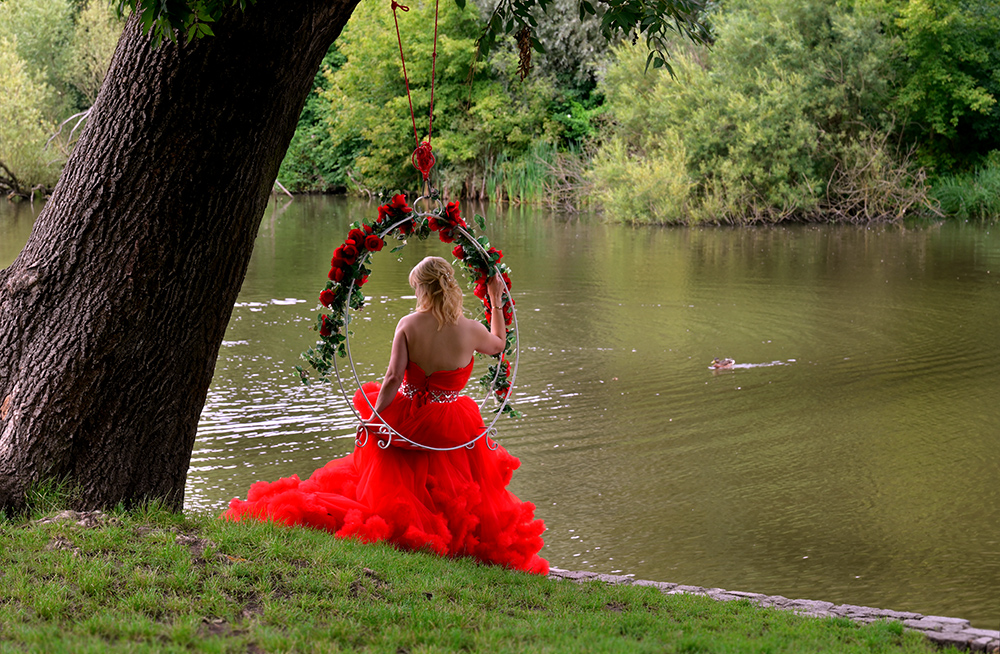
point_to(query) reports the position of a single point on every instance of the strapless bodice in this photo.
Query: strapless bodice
(442, 380)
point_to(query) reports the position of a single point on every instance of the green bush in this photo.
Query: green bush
(478, 122)
(90, 49)
(644, 189)
(50, 68)
(947, 75)
(41, 31)
(783, 118)
(313, 162)
(23, 126)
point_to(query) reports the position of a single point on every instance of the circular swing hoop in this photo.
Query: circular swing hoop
(385, 432)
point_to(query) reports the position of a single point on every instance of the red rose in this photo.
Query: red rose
(326, 297)
(345, 255)
(357, 236)
(434, 224)
(368, 228)
(399, 205)
(446, 236)
(506, 280)
(494, 252)
(454, 214)
(396, 209)
(458, 252)
(406, 228)
(362, 281)
(349, 253)
(480, 291)
(325, 329)
(373, 243)
(336, 274)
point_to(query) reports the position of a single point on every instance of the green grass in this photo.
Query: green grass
(522, 179)
(971, 196)
(152, 581)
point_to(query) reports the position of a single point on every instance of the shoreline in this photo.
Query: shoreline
(940, 630)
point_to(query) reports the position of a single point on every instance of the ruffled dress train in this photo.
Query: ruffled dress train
(454, 502)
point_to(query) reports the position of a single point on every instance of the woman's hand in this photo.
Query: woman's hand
(495, 288)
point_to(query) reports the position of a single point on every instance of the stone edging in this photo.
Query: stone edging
(940, 630)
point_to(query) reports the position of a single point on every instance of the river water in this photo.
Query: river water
(851, 455)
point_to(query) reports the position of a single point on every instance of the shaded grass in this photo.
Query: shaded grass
(152, 581)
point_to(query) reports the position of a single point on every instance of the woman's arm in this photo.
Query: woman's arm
(398, 358)
(494, 341)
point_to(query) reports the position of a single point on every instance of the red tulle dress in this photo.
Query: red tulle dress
(455, 503)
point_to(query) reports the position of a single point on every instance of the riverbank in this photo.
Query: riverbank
(938, 629)
(154, 581)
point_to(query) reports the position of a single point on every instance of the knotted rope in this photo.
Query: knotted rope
(422, 158)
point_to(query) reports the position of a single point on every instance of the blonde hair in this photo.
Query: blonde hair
(437, 291)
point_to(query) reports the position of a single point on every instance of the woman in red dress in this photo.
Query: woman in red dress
(452, 502)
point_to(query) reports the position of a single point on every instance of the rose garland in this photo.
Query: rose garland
(350, 265)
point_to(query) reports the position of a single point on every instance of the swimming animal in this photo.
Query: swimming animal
(721, 364)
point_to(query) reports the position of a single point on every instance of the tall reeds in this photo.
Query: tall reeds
(519, 179)
(971, 196)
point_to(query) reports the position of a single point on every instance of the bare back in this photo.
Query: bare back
(449, 348)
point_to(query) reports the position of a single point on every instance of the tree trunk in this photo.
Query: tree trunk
(112, 316)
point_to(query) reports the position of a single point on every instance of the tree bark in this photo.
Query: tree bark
(112, 316)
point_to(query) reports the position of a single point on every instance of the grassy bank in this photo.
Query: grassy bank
(154, 581)
(971, 196)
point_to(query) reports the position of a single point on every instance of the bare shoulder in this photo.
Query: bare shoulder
(473, 325)
(416, 322)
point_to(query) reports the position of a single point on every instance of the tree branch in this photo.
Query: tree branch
(8, 181)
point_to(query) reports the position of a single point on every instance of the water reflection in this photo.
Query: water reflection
(862, 469)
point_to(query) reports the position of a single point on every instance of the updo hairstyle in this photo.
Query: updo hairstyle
(437, 291)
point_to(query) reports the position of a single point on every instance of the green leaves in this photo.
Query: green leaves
(655, 20)
(179, 19)
(949, 85)
(786, 115)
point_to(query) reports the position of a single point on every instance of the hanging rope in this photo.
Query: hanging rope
(422, 158)
(434, 58)
(406, 79)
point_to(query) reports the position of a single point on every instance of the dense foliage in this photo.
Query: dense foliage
(478, 118)
(53, 57)
(948, 68)
(852, 110)
(816, 109)
(655, 20)
(313, 163)
(790, 99)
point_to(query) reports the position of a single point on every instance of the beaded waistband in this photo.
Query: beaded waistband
(429, 395)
